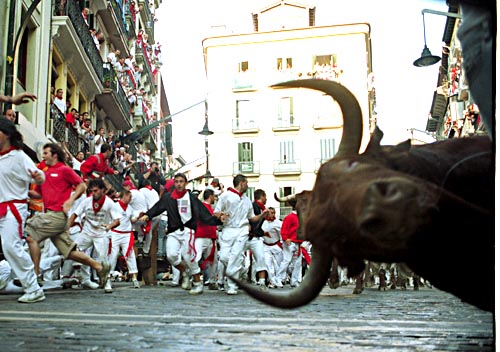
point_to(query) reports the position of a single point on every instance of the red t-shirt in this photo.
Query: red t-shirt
(206, 231)
(58, 185)
(70, 118)
(289, 228)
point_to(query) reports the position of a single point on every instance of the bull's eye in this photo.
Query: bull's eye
(352, 164)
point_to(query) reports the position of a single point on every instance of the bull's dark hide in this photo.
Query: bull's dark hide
(431, 207)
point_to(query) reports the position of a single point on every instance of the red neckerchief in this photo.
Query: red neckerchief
(176, 194)
(271, 219)
(97, 205)
(123, 205)
(235, 191)
(148, 187)
(261, 205)
(11, 148)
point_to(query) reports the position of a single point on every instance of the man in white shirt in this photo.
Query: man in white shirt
(101, 215)
(236, 228)
(273, 252)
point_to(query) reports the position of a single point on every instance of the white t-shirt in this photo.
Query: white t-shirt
(274, 229)
(15, 176)
(138, 202)
(94, 220)
(240, 209)
(150, 195)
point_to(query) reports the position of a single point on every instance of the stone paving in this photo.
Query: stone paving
(158, 318)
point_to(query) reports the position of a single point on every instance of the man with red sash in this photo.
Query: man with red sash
(292, 250)
(17, 171)
(273, 248)
(122, 238)
(96, 166)
(238, 212)
(58, 197)
(100, 215)
(184, 211)
(205, 245)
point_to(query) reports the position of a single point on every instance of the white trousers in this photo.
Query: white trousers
(85, 241)
(180, 246)
(12, 247)
(121, 241)
(292, 256)
(204, 247)
(232, 245)
(273, 256)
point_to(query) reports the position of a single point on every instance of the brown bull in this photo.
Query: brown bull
(431, 207)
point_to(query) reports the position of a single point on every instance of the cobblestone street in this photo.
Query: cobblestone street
(159, 318)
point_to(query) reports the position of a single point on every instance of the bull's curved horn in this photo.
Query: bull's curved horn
(284, 199)
(353, 121)
(309, 289)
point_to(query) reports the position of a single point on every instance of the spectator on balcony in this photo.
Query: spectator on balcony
(157, 53)
(96, 166)
(110, 139)
(99, 140)
(76, 161)
(10, 114)
(137, 74)
(97, 37)
(85, 15)
(71, 118)
(86, 132)
(132, 98)
(113, 57)
(59, 101)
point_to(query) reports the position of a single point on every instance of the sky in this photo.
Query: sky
(404, 92)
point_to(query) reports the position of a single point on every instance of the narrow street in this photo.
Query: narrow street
(162, 318)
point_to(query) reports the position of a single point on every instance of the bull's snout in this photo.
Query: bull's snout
(385, 208)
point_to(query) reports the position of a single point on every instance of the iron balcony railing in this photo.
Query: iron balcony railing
(62, 132)
(246, 167)
(73, 11)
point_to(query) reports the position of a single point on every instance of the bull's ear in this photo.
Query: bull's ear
(373, 146)
(403, 146)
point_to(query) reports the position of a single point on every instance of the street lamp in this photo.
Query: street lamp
(426, 58)
(206, 132)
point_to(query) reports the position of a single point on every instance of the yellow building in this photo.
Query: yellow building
(280, 137)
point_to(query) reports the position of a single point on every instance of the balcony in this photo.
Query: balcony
(244, 126)
(142, 59)
(244, 81)
(130, 17)
(73, 41)
(113, 17)
(327, 123)
(285, 125)
(113, 100)
(147, 19)
(61, 133)
(281, 168)
(247, 168)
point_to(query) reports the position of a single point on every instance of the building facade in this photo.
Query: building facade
(104, 58)
(278, 138)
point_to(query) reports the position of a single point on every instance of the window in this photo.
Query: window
(284, 209)
(280, 61)
(327, 149)
(244, 118)
(245, 157)
(249, 193)
(285, 112)
(243, 66)
(287, 154)
(22, 64)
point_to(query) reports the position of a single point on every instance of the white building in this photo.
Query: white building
(278, 138)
